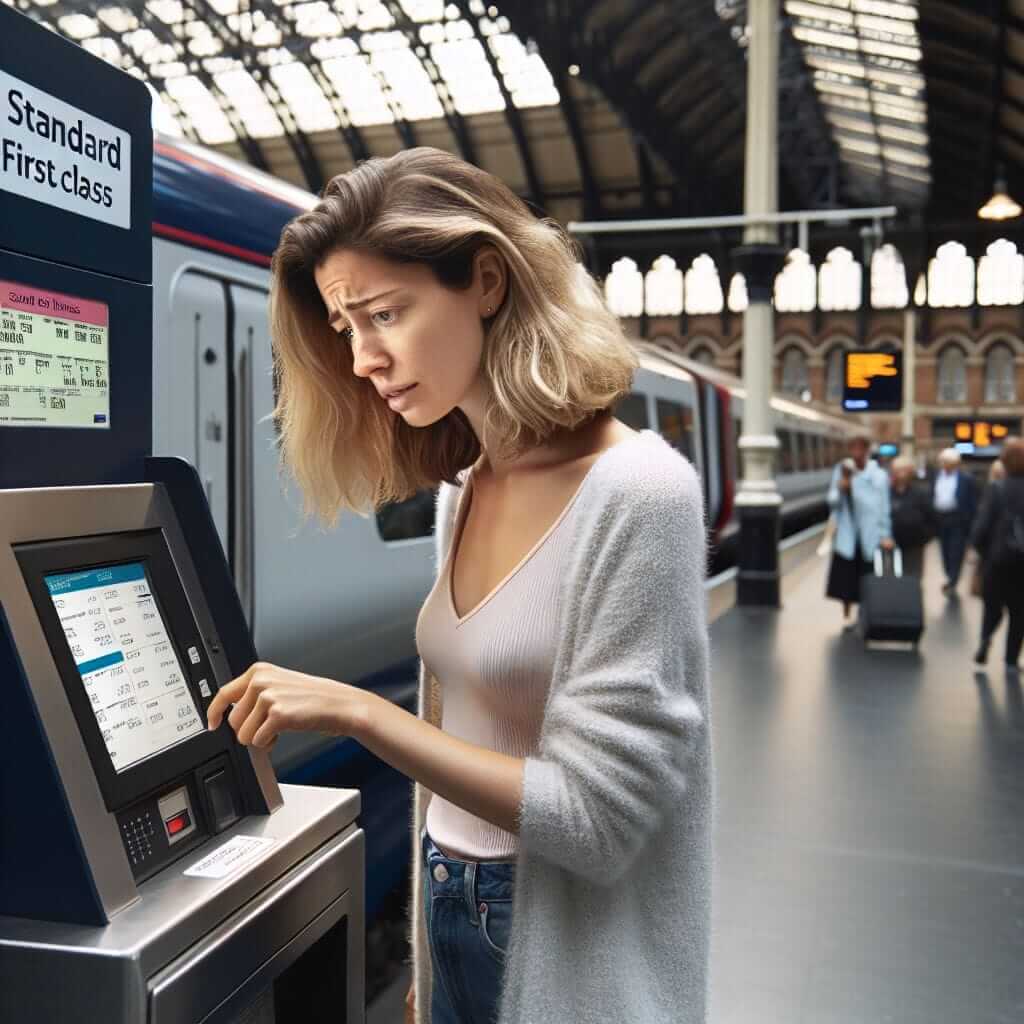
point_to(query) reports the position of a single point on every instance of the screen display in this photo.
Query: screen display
(128, 665)
(53, 359)
(873, 382)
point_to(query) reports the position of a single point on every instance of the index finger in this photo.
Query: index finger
(228, 694)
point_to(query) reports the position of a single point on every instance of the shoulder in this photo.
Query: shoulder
(645, 474)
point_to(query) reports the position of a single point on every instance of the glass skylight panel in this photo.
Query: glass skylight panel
(224, 7)
(423, 10)
(118, 19)
(174, 69)
(359, 90)
(201, 109)
(316, 20)
(268, 34)
(168, 11)
(77, 26)
(526, 75)
(887, 9)
(409, 82)
(467, 74)
(251, 103)
(373, 15)
(324, 49)
(305, 98)
(103, 47)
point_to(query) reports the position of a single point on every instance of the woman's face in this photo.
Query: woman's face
(404, 327)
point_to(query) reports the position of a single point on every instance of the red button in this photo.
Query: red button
(175, 825)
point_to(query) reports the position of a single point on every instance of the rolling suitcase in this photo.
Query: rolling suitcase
(891, 606)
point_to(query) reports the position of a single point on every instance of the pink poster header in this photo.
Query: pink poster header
(53, 304)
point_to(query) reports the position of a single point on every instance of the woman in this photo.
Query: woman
(913, 522)
(859, 499)
(429, 330)
(998, 537)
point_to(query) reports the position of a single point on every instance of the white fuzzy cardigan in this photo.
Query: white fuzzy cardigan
(611, 908)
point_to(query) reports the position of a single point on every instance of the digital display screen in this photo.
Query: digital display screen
(872, 382)
(980, 437)
(128, 666)
(53, 359)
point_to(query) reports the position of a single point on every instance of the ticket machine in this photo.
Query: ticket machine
(151, 870)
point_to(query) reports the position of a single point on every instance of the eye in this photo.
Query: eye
(345, 334)
(392, 313)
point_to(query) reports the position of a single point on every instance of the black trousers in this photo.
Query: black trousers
(1001, 592)
(953, 534)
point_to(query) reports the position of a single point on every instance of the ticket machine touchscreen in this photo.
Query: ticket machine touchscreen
(139, 677)
(118, 638)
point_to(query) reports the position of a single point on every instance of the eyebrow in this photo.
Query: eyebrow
(337, 314)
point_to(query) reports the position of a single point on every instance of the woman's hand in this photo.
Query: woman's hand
(269, 700)
(410, 1004)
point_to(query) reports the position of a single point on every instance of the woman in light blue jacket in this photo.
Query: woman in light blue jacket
(859, 499)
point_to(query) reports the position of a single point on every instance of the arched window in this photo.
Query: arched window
(624, 288)
(1001, 275)
(950, 277)
(796, 287)
(952, 383)
(839, 281)
(795, 378)
(738, 300)
(703, 288)
(1000, 385)
(834, 375)
(663, 288)
(702, 354)
(888, 279)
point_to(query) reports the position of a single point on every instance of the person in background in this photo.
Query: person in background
(997, 471)
(955, 500)
(859, 499)
(913, 521)
(998, 537)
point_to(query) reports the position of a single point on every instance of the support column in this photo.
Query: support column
(760, 259)
(909, 379)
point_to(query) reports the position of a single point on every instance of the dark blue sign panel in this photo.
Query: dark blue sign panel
(873, 382)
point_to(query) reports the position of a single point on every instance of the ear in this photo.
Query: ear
(491, 273)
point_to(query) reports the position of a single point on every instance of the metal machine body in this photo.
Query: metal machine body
(151, 870)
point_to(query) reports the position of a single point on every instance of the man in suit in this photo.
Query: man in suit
(955, 500)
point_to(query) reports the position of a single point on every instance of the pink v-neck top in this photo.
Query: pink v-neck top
(494, 667)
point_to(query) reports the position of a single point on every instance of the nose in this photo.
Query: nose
(367, 355)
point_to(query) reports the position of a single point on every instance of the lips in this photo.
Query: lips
(397, 391)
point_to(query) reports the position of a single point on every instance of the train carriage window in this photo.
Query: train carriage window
(785, 451)
(409, 519)
(675, 422)
(632, 410)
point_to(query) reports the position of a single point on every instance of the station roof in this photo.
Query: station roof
(590, 108)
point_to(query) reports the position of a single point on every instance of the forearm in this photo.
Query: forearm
(485, 783)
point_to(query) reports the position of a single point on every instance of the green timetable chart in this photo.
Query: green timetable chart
(53, 359)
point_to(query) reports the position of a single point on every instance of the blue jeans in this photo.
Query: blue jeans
(468, 907)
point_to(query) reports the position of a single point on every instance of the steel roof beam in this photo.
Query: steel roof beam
(512, 116)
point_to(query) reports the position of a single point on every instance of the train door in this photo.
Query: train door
(227, 324)
(199, 316)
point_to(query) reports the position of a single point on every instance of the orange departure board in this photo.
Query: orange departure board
(872, 382)
(980, 433)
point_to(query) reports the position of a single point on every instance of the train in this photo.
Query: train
(343, 603)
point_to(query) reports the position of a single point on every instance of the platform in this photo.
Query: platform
(869, 842)
(869, 857)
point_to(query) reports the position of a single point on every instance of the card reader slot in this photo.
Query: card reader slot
(249, 942)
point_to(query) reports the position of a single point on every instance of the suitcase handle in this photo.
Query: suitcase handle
(884, 558)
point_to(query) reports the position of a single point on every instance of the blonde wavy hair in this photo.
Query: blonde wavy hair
(554, 355)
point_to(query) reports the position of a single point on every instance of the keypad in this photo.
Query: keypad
(138, 833)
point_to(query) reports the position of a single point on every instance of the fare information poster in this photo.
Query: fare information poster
(53, 359)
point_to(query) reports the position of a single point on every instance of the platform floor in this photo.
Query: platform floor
(870, 836)
(869, 843)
